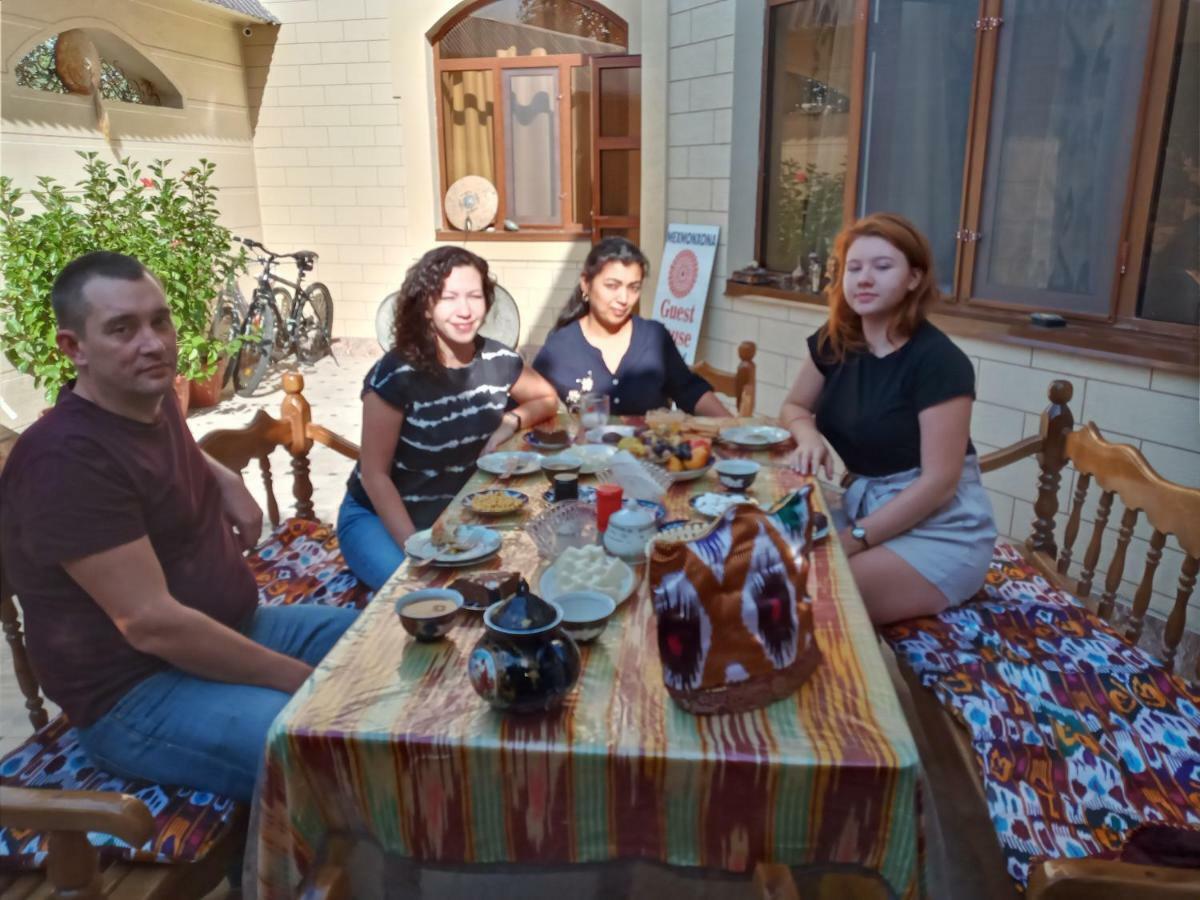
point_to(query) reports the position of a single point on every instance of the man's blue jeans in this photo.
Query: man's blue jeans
(178, 729)
(367, 546)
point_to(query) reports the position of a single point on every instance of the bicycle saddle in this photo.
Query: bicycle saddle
(305, 259)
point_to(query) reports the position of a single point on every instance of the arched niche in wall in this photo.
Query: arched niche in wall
(126, 75)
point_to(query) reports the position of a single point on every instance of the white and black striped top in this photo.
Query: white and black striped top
(447, 421)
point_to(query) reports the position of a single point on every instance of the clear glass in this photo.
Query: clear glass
(1064, 110)
(920, 57)
(531, 146)
(1171, 289)
(593, 410)
(581, 144)
(620, 102)
(808, 128)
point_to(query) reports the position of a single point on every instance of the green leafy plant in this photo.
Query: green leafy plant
(168, 222)
(809, 213)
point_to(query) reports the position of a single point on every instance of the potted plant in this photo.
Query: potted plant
(168, 222)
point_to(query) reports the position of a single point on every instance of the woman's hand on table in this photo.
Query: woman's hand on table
(508, 427)
(811, 454)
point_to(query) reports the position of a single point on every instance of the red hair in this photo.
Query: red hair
(843, 333)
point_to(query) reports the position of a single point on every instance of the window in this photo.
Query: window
(125, 75)
(1050, 151)
(517, 83)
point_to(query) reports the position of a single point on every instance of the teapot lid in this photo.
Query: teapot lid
(523, 613)
(632, 513)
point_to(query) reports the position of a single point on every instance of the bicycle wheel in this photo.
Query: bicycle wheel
(283, 308)
(314, 323)
(254, 356)
(225, 325)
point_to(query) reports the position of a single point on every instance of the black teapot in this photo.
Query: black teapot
(524, 662)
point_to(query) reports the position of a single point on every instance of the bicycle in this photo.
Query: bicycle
(277, 321)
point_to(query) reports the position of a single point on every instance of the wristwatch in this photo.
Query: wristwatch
(859, 534)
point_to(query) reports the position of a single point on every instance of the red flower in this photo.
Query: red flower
(800, 178)
(148, 182)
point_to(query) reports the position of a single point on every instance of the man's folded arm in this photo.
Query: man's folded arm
(128, 583)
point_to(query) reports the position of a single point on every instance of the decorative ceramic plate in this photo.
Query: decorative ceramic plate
(676, 477)
(587, 494)
(497, 463)
(481, 541)
(533, 440)
(713, 504)
(755, 435)
(549, 589)
(496, 502)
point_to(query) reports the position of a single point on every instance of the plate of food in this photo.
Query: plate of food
(714, 505)
(496, 502)
(755, 435)
(610, 434)
(587, 494)
(450, 545)
(587, 569)
(509, 463)
(547, 438)
(683, 458)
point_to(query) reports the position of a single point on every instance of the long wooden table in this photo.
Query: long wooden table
(388, 743)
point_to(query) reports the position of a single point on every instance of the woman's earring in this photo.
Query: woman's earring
(586, 299)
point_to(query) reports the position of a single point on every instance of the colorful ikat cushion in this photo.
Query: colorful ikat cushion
(301, 563)
(1087, 746)
(735, 628)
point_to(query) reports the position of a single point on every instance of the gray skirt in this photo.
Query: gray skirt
(953, 547)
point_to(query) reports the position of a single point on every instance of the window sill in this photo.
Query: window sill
(1113, 342)
(471, 237)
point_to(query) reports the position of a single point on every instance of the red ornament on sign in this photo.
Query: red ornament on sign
(682, 276)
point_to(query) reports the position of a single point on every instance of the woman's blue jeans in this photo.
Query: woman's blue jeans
(176, 728)
(367, 545)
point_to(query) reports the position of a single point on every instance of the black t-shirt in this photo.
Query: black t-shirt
(82, 480)
(447, 421)
(868, 405)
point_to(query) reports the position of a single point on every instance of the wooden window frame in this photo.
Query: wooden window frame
(497, 65)
(1118, 334)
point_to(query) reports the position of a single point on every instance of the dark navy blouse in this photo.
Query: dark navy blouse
(650, 376)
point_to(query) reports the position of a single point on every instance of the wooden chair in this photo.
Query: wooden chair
(742, 384)
(74, 869)
(1120, 472)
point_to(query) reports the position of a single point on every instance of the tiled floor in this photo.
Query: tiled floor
(332, 388)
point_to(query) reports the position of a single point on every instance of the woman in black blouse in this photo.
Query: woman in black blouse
(599, 344)
(893, 395)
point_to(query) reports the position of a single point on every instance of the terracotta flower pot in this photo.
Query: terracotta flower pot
(183, 389)
(207, 393)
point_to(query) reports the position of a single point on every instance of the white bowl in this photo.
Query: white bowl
(585, 613)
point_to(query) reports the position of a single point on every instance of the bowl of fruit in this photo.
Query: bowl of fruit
(684, 459)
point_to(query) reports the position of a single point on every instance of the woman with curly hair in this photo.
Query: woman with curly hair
(893, 395)
(431, 406)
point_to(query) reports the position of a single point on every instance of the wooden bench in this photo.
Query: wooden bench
(1122, 474)
(74, 868)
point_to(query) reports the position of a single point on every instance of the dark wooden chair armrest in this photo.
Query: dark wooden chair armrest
(334, 441)
(1006, 456)
(1109, 879)
(108, 812)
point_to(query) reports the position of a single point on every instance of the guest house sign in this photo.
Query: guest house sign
(683, 279)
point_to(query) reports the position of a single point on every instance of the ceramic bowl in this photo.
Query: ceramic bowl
(585, 613)
(736, 474)
(429, 615)
(560, 462)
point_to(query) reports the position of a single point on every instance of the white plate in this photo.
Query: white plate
(596, 435)
(420, 546)
(595, 457)
(714, 505)
(548, 589)
(688, 474)
(494, 463)
(755, 435)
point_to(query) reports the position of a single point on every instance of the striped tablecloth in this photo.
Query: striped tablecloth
(387, 741)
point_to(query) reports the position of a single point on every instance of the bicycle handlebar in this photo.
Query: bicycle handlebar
(255, 245)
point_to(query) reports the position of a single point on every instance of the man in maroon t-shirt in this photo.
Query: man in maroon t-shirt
(123, 542)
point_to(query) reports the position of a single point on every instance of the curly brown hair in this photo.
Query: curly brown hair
(843, 333)
(413, 337)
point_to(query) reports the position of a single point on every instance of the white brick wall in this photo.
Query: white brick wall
(329, 153)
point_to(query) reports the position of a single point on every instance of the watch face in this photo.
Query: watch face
(858, 532)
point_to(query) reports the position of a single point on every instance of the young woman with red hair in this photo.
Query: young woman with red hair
(892, 394)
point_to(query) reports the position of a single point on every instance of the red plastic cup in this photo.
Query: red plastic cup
(608, 501)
